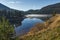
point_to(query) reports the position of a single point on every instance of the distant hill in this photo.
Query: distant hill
(31, 11)
(51, 30)
(14, 16)
(3, 7)
(50, 9)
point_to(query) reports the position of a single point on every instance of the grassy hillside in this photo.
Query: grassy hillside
(50, 30)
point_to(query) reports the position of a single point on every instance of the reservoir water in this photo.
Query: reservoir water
(27, 24)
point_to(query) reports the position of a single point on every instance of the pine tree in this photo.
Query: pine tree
(6, 30)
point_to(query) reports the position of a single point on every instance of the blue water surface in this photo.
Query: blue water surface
(27, 24)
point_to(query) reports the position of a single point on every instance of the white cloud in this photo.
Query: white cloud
(13, 2)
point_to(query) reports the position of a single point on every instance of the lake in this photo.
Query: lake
(27, 24)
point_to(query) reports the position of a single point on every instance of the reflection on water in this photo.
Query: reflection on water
(26, 25)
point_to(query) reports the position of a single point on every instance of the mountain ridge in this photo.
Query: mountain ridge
(54, 8)
(50, 9)
(11, 14)
(3, 7)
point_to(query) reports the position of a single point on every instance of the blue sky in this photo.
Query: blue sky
(28, 4)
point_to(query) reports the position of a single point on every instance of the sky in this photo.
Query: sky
(28, 4)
